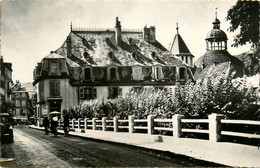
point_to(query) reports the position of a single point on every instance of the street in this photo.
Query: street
(31, 148)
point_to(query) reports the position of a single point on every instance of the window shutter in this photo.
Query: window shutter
(57, 88)
(94, 93)
(51, 87)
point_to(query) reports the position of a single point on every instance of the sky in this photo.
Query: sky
(31, 29)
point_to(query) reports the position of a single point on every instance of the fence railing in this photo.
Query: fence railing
(176, 126)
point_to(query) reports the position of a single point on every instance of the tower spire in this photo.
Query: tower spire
(71, 26)
(177, 28)
(216, 13)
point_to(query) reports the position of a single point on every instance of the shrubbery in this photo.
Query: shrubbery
(233, 98)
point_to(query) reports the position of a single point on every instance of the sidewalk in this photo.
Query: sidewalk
(225, 153)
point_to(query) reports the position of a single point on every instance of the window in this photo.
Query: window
(88, 93)
(157, 73)
(17, 103)
(81, 92)
(41, 90)
(137, 73)
(24, 103)
(23, 95)
(88, 74)
(112, 73)
(54, 88)
(182, 73)
(54, 67)
(114, 92)
(138, 90)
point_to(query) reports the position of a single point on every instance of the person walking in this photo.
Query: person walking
(54, 125)
(46, 125)
(66, 122)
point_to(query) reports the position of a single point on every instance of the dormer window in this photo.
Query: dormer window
(112, 73)
(157, 73)
(137, 73)
(88, 73)
(135, 56)
(86, 55)
(54, 67)
(154, 55)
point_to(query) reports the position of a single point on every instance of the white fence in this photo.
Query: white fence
(175, 125)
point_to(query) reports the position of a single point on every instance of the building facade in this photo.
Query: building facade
(21, 102)
(5, 85)
(101, 64)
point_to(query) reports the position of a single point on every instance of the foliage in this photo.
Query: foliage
(245, 16)
(233, 98)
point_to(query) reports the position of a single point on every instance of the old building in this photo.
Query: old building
(21, 102)
(179, 49)
(5, 85)
(101, 64)
(217, 60)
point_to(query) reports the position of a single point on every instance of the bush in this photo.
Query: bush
(233, 98)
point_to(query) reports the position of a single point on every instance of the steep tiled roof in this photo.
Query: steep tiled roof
(217, 56)
(178, 46)
(99, 48)
(217, 71)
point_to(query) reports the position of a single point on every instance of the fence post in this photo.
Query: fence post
(94, 127)
(85, 123)
(131, 124)
(215, 127)
(73, 123)
(104, 123)
(116, 118)
(176, 124)
(79, 123)
(150, 124)
(59, 123)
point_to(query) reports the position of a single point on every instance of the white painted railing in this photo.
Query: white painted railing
(174, 125)
(241, 122)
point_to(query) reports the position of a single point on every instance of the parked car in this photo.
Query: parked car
(6, 128)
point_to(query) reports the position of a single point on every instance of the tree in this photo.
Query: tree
(245, 16)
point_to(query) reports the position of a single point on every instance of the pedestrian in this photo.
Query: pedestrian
(54, 125)
(46, 125)
(66, 122)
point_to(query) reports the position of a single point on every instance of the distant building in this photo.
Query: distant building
(20, 99)
(5, 85)
(217, 60)
(95, 64)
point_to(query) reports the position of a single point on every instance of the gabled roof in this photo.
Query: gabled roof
(99, 48)
(179, 47)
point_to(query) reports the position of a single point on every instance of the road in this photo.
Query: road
(31, 148)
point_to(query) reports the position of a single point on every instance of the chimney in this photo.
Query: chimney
(152, 34)
(68, 41)
(149, 34)
(118, 32)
